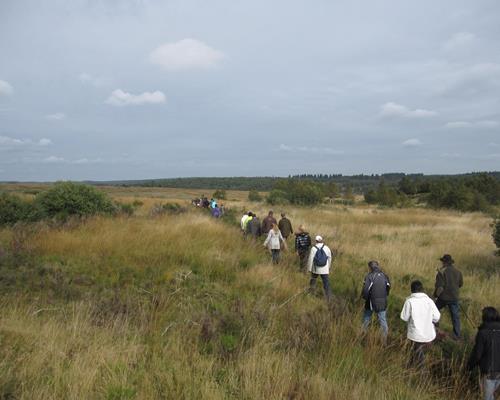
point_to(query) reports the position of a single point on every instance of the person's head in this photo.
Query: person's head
(447, 260)
(275, 228)
(318, 239)
(490, 314)
(283, 215)
(249, 214)
(373, 265)
(417, 287)
(271, 213)
(302, 228)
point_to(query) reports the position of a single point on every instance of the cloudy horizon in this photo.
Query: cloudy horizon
(143, 89)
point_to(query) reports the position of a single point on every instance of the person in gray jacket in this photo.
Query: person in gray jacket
(253, 227)
(376, 288)
(449, 280)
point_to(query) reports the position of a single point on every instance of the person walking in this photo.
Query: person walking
(486, 352)
(253, 227)
(421, 313)
(268, 222)
(302, 247)
(244, 221)
(319, 263)
(449, 280)
(376, 288)
(273, 243)
(285, 226)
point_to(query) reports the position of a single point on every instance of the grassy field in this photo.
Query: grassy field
(179, 306)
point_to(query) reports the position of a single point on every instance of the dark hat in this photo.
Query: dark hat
(447, 259)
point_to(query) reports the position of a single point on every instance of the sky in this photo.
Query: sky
(138, 89)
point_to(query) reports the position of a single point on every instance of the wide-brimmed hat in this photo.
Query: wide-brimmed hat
(447, 259)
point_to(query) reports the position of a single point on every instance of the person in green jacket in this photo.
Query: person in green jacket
(285, 226)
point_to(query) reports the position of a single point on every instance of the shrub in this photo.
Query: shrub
(254, 195)
(302, 192)
(277, 197)
(219, 194)
(496, 234)
(68, 198)
(14, 209)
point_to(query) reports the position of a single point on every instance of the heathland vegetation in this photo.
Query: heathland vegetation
(164, 301)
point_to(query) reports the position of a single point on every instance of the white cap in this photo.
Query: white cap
(319, 238)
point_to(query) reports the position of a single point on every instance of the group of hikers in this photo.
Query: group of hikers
(420, 312)
(217, 210)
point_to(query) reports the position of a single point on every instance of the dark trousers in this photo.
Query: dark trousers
(454, 309)
(275, 255)
(326, 284)
(303, 257)
(417, 355)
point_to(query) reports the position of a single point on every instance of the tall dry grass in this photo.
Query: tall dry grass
(180, 306)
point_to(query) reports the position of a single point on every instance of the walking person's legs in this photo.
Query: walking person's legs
(417, 354)
(367, 318)
(455, 317)
(275, 256)
(382, 319)
(326, 286)
(312, 282)
(490, 386)
(303, 255)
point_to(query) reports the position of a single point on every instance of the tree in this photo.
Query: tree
(219, 194)
(348, 194)
(254, 195)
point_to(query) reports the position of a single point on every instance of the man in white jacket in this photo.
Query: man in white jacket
(421, 313)
(320, 260)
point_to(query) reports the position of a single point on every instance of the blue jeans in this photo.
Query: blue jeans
(326, 284)
(454, 309)
(275, 255)
(382, 319)
(489, 388)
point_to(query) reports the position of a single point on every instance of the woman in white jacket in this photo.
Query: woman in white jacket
(421, 313)
(273, 243)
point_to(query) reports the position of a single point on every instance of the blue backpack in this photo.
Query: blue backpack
(320, 258)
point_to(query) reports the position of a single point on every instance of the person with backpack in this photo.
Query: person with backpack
(285, 226)
(302, 247)
(376, 288)
(421, 313)
(268, 222)
(320, 260)
(253, 227)
(486, 352)
(449, 280)
(273, 243)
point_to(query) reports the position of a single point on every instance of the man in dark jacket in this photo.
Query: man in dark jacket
(376, 288)
(253, 227)
(268, 222)
(302, 247)
(449, 280)
(285, 226)
(486, 352)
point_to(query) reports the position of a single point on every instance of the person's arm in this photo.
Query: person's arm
(387, 284)
(406, 311)
(310, 259)
(367, 284)
(268, 238)
(461, 280)
(291, 229)
(439, 286)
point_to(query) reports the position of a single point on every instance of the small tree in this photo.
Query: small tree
(219, 194)
(254, 195)
(14, 209)
(276, 197)
(348, 194)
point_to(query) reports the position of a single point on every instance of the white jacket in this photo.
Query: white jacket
(420, 312)
(273, 240)
(319, 270)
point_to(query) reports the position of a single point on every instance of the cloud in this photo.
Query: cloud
(459, 40)
(412, 143)
(468, 124)
(97, 81)
(87, 161)
(5, 88)
(55, 117)
(120, 98)
(304, 149)
(53, 160)
(185, 54)
(391, 109)
(477, 79)
(7, 141)
(451, 155)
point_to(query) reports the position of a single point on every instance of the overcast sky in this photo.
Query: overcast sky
(129, 89)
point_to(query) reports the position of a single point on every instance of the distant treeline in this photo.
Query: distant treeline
(359, 184)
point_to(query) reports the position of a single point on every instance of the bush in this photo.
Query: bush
(277, 197)
(219, 194)
(301, 192)
(254, 195)
(68, 198)
(496, 234)
(14, 209)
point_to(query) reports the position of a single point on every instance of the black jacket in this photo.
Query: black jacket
(302, 242)
(486, 351)
(376, 287)
(448, 282)
(253, 227)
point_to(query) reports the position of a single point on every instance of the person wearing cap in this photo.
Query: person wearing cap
(421, 314)
(376, 288)
(267, 223)
(285, 226)
(449, 280)
(320, 260)
(302, 247)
